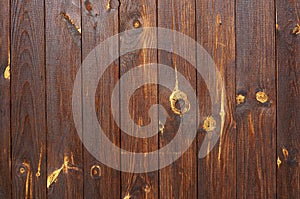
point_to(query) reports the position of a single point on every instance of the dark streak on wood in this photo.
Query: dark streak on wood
(256, 123)
(28, 112)
(5, 145)
(288, 126)
(63, 57)
(215, 32)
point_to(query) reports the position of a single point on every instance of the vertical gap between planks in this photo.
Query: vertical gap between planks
(46, 115)
(81, 59)
(10, 103)
(235, 91)
(119, 77)
(197, 113)
(276, 86)
(157, 99)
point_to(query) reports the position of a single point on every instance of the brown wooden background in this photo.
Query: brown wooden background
(256, 46)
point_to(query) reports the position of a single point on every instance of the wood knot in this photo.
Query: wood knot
(240, 99)
(22, 170)
(262, 97)
(137, 23)
(96, 171)
(88, 5)
(147, 188)
(209, 124)
(179, 102)
(296, 30)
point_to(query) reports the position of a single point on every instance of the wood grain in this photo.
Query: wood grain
(63, 55)
(216, 33)
(255, 46)
(5, 145)
(28, 112)
(138, 14)
(256, 119)
(288, 65)
(100, 21)
(179, 180)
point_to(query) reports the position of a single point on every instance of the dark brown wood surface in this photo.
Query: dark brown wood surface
(216, 33)
(255, 46)
(63, 58)
(256, 117)
(100, 21)
(178, 180)
(138, 14)
(28, 97)
(5, 144)
(288, 126)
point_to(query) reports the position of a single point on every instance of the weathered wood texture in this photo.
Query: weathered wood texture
(100, 21)
(28, 112)
(256, 117)
(44, 42)
(178, 180)
(63, 58)
(138, 14)
(5, 145)
(288, 126)
(215, 32)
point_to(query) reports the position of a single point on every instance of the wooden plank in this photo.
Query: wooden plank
(100, 21)
(288, 59)
(28, 118)
(256, 118)
(63, 58)
(178, 180)
(215, 32)
(5, 150)
(138, 14)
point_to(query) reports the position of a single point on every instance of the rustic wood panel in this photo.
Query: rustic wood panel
(216, 33)
(138, 14)
(256, 117)
(255, 45)
(5, 150)
(100, 21)
(288, 59)
(28, 112)
(63, 55)
(179, 180)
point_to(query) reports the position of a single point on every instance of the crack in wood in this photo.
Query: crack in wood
(71, 22)
(7, 69)
(296, 30)
(38, 173)
(28, 182)
(285, 153)
(53, 177)
(278, 162)
(222, 116)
